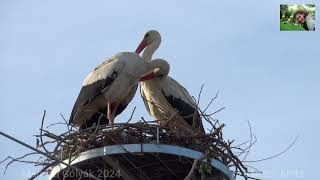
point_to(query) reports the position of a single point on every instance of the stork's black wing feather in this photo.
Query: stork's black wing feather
(123, 105)
(185, 110)
(180, 99)
(89, 92)
(101, 118)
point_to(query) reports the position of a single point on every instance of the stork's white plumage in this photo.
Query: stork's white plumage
(108, 89)
(165, 99)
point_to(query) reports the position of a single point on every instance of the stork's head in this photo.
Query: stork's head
(158, 68)
(151, 39)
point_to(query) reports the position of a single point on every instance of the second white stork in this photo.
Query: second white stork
(165, 99)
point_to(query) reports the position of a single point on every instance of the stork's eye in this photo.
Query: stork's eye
(147, 35)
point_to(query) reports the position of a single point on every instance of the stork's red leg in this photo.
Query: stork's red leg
(112, 109)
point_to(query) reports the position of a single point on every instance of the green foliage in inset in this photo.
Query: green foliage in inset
(290, 27)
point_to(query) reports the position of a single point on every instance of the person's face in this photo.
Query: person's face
(300, 18)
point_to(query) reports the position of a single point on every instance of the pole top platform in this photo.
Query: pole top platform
(138, 161)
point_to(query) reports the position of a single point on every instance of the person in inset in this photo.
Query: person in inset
(305, 19)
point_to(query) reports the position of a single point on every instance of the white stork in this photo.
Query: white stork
(107, 90)
(165, 99)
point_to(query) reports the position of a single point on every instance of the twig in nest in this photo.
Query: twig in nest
(47, 155)
(16, 160)
(276, 155)
(131, 114)
(215, 112)
(250, 144)
(40, 172)
(199, 95)
(41, 129)
(212, 99)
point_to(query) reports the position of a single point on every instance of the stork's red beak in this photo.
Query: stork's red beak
(147, 76)
(141, 46)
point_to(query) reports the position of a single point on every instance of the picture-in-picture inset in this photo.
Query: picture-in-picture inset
(297, 17)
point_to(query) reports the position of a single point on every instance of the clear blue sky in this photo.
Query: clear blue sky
(264, 76)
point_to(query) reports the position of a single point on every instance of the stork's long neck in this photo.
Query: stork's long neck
(150, 49)
(147, 54)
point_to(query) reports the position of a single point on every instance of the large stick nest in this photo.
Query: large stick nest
(71, 143)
